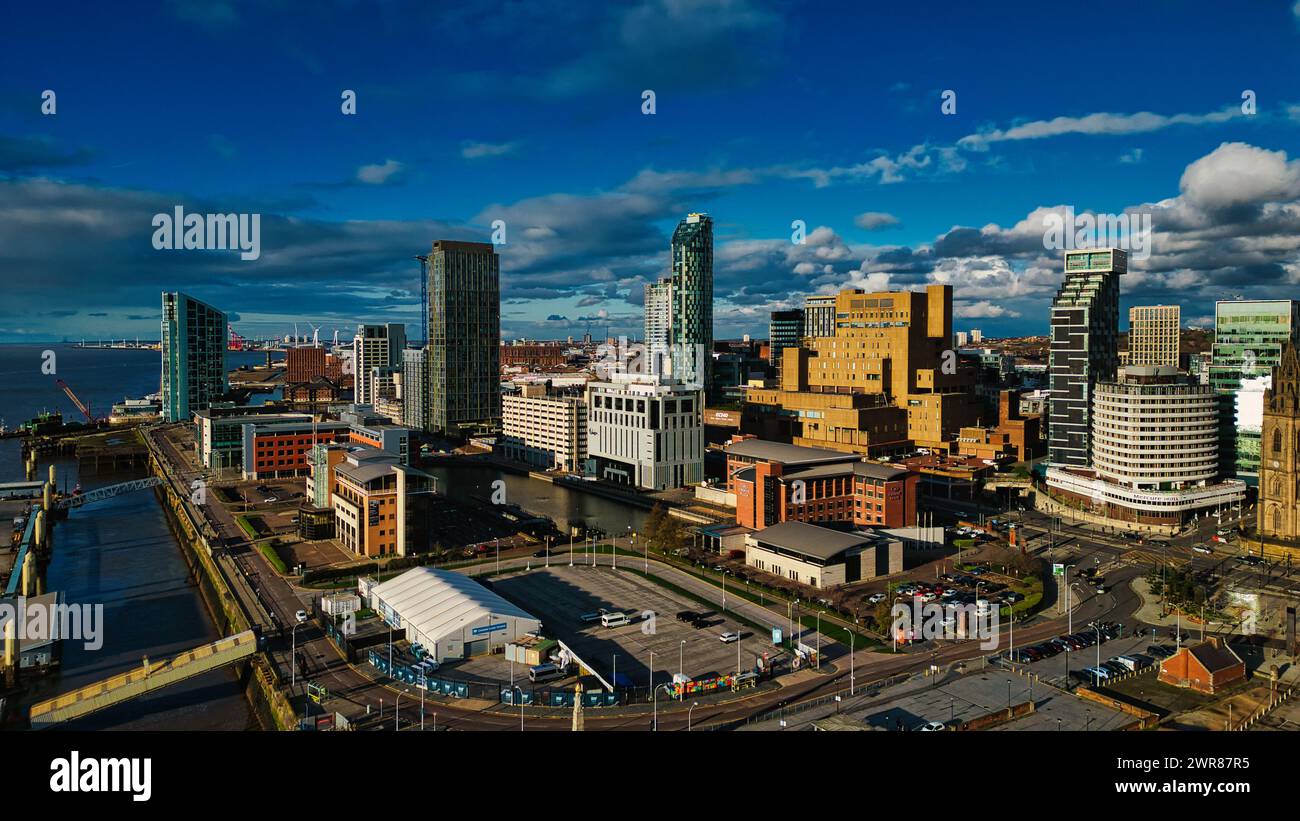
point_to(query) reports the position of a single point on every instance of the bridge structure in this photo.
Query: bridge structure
(107, 492)
(148, 677)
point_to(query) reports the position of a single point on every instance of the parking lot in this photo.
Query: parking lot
(1063, 668)
(561, 596)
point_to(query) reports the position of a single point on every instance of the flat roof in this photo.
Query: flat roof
(786, 453)
(810, 540)
(869, 470)
(439, 602)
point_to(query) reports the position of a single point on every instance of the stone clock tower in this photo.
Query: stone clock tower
(1279, 451)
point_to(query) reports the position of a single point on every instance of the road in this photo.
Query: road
(353, 693)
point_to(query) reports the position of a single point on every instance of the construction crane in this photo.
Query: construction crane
(236, 342)
(85, 409)
(424, 298)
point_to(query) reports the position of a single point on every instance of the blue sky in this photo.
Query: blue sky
(766, 113)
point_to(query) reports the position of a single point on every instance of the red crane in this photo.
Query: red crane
(84, 408)
(236, 341)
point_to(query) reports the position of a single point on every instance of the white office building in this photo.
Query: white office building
(645, 432)
(545, 430)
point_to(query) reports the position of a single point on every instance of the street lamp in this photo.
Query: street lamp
(819, 638)
(655, 699)
(397, 711)
(293, 651)
(690, 710)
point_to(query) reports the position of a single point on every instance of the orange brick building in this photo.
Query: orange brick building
(1207, 667)
(774, 482)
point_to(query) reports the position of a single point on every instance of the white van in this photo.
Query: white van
(544, 672)
(615, 619)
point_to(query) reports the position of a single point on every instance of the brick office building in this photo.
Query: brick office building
(775, 482)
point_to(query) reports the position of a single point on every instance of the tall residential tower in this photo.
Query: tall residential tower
(691, 310)
(1084, 348)
(464, 350)
(193, 355)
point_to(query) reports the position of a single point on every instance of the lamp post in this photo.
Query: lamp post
(397, 712)
(690, 710)
(681, 661)
(293, 656)
(655, 699)
(819, 638)
(498, 550)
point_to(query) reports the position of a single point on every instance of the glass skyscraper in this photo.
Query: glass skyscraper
(783, 331)
(464, 352)
(1084, 349)
(1248, 339)
(193, 355)
(691, 310)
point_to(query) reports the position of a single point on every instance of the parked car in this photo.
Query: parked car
(687, 615)
(875, 598)
(1200, 548)
(931, 726)
(729, 638)
(270, 500)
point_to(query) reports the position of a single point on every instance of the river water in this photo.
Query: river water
(559, 503)
(119, 552)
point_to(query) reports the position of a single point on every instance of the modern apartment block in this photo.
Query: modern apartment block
(1084, 348)
(819, 315)
(376, 347)
(1155, 450)
(415, 388)
(690, 331)
(464, 350)
(645, 432)
(658, 318)
(193, 355)
(888, 361)
(785, 328)
(1153, 335)
(1248, 339)
(543, 429)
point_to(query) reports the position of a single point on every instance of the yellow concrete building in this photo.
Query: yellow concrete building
(891, 351)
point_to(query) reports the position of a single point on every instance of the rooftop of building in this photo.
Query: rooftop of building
(812, 540)
(867, 470)
(1214, 655)
(785, 453)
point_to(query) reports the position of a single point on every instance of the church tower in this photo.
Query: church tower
(1279, 451)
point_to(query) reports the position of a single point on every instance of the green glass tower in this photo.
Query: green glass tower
(1248, 340)
(691, 310)
(193, 355)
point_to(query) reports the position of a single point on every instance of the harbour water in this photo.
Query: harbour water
(118, 552)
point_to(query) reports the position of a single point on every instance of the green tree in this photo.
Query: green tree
(654, 524)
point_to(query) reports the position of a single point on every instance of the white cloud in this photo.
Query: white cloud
(378, 174)
(875, 220)
(475, 150)
(982, 310)
(1237, 174)
(1100, 123)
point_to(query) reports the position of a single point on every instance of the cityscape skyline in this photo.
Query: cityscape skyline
(903, 205)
